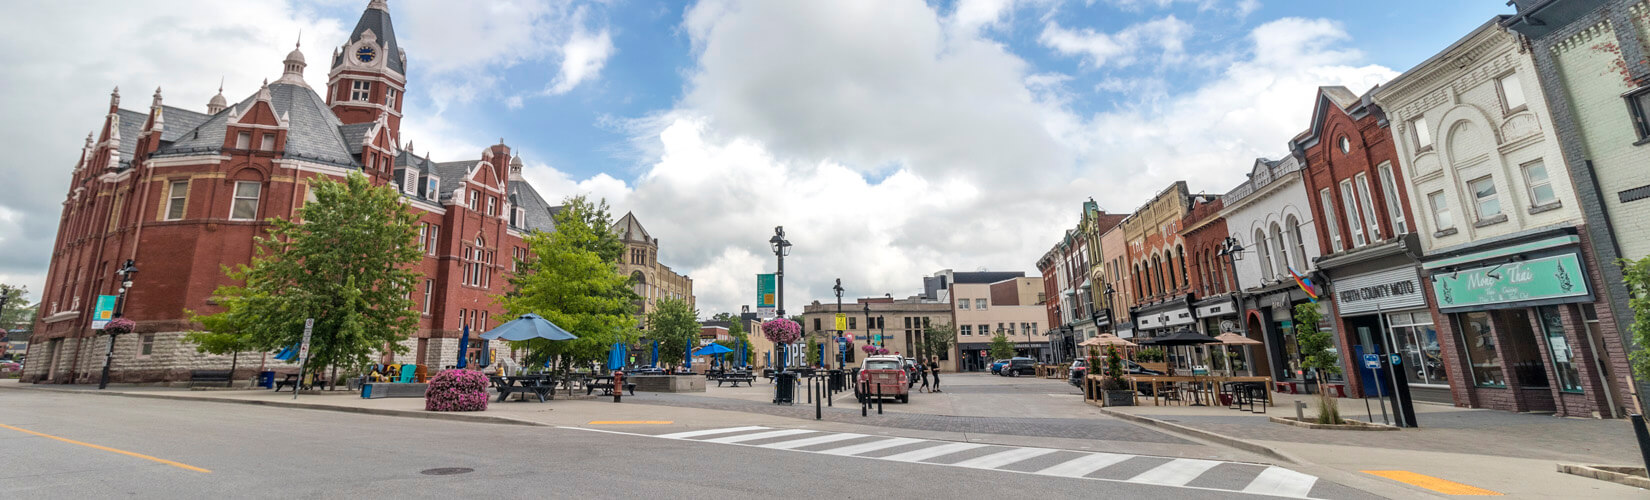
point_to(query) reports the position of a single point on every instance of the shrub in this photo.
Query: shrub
(1114, 370)
(1150, 355)
(457, 390)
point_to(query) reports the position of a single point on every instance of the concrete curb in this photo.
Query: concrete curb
(457, 417)
(1203, 434)
(1616, 474)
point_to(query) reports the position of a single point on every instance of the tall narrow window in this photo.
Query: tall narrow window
(1168, 261)
(389, 97)
(267, 143)
(1441, 219)
(1638, 105)
(1483, 193)
(360, 90)
(1280, 248)
(475, 200)
(429, 294)
(1389, 193)
(243, 140)
(1541, 187)
(1264, 254)
(1368, 203)
(1512, 93)
(492, 205)
(1295, 240)
(1328, 201)
(245, 205)
(1418, 132)
(1353, 222)
(1185, 278)
(435, 236)
(176, 198)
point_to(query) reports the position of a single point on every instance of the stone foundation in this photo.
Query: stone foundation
(668, 383)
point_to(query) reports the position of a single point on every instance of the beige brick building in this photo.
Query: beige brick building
(652, 280)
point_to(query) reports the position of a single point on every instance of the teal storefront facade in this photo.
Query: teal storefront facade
(1519, 323)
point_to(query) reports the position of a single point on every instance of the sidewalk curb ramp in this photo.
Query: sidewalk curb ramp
(432, 415)
(1203, 434)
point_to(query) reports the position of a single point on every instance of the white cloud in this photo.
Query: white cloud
(1240, 8)
(1166, 36)
(464, 46)
(583, 56)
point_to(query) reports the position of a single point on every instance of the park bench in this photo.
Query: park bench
(735, 380)
(210, 376)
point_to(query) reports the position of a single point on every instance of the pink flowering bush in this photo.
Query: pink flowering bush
(119, 326)
(868, 348)
(457, 390)
(782, 331)
(882, 351)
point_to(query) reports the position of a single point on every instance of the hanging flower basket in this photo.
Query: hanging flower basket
(882, 351)
(869, 349)
(119, 326)
(782, 331)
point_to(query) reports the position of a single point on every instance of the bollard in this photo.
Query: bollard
(830, 396)
(1300, 411)
(864, 399)
(879, 398)
(1643, 435)
(818, 410)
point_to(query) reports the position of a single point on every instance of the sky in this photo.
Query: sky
(891, 138)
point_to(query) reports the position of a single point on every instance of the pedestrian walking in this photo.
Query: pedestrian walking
(934, 368)
(922, 368)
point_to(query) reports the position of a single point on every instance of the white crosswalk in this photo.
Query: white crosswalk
(1181, 472)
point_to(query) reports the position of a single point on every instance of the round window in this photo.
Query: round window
(1346, 145)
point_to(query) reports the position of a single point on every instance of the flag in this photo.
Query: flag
(1306, 285)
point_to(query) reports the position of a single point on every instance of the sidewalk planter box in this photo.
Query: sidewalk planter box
(1122, 397)
(1349, 425)
(377, 390)
(668, 383)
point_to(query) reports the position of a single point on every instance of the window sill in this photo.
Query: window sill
(1491, 221)
(1488, 386)
(1546, 208)
(1446, 232)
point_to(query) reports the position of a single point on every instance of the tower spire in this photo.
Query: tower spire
(294, 64)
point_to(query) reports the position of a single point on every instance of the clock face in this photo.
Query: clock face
(365, 53)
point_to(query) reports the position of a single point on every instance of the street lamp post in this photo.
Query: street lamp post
(781, 248)
(882, 331)
(839, 333)
(1233, 251)
(125, 273)
(868, 323)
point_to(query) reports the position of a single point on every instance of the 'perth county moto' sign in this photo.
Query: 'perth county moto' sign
(1556, 277)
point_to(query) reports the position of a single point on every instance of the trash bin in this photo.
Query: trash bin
(784, 388)
(266, 379)
(839, 381)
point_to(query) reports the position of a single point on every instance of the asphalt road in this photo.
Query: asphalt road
(144, 448)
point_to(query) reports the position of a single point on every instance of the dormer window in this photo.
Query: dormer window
(360, 90)
(517, 216)
(434, 188)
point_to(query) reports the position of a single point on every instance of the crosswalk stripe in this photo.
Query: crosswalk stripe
(798, 443)
(1000, 459)
(760, 435)
(1082, 466)
(688, 434)
(932, 452)
(1177, 472)
(1281, 482)
(856, 449)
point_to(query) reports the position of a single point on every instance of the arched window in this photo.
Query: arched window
(1157, 273)
(1298, 243)
(1136, 278)
(1185, 277)
(1168, 264)
(1280, 249)
(1264, 255)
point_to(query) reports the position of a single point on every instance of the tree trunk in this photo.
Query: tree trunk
(234, 361)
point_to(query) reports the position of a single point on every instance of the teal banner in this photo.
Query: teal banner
(765, 288)
(1546, 278)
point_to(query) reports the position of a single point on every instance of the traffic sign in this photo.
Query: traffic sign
(1395, 359)
(850, 337)
(303, 349)
(841, 321)
(1373, 361)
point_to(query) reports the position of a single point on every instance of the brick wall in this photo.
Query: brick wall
(1592, 68)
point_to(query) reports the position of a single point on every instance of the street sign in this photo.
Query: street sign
(303, 349)
(1396, 360)
(105, 311)
(850, 337)
(841, 321)
(1372, 361)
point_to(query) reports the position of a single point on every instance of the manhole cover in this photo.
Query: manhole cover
(446, 471)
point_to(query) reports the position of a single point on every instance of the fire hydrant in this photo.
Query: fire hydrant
(618, 385)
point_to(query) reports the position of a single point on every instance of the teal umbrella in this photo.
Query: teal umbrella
(712, 350)
(528, 326)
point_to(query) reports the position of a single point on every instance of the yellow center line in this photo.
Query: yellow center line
(631, 422)
(112, 450)
(1444, 486)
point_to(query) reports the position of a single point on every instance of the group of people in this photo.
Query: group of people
(922, 371)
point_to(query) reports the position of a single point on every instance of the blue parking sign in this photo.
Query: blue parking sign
(1372, 361)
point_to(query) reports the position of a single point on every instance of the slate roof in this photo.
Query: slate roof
(379, 22)
(313, 132)
(630, 229)
(354, 133)
(540, 214)
(451, 173)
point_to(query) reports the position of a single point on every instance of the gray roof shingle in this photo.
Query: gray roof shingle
(312, 131)
(540, 214)
(379, 22)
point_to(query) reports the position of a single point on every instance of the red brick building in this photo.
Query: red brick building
(1204, 230)
(182, 193)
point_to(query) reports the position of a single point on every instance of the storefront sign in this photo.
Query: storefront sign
(1546, 278)
(1388, 290)
(1163, 319)
(1224, 308)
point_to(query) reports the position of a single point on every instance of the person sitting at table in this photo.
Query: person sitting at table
(377, 374)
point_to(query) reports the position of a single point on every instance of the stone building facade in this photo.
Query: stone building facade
(897, 321)
(649, 278)
(1157, 263)
(980, 310)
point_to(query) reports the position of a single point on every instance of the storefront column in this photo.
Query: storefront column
(1461, 383)
(1587, 362)
(1554, 386)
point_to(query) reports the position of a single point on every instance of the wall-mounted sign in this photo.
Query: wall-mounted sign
(1388, 290)
(1221, 309)
(1546, 278)
(1173, 317)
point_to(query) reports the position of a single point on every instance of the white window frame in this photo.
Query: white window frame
(492, 205)
(177, 203)
(1344, 144)
(1294, 231)
(360, 90)
(266, 142)
(1507, 105)
(1265, 254)
(1421, 134)
(243, 140)
(1389, 192)
(1366, 199)
(1327, 199)
(1349, 202)
(1530, 184)
(434, 188)
(1280, 248)
(237, 198)
(980, 304)
(1478, 202)
(429, 294)
(435, 238)
(1442, 217)
(389, 97)
(475, 200)
(962, 304)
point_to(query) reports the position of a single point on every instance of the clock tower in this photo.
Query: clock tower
(368, 80)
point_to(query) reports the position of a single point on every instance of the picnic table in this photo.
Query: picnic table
(606, 385)
(542, 385)
(735, 378)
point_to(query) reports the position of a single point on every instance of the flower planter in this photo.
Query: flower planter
(1119, 397)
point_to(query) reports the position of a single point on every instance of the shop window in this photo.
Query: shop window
(1564, 358)
(1478, 339)
(1417, 340)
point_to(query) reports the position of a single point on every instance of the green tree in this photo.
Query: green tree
(675, 324)
(19, 313)
(571, 278)
(1001, 348)
(726, 316)
(227, 332)
(347, 264)
(1636, 273)
(1317, 353)
(936, 339)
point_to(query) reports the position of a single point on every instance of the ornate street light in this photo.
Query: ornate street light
(125, 273)
(781, 248)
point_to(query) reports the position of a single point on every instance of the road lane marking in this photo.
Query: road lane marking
(870, 447)
(1000, 459)
(707, 432)
(932, 452)
(1084, 465)
(1281, 482)
(631, 422)
(1444, 486)
(1177, 472)
(179, 465)
(759, 435)
(798, 443)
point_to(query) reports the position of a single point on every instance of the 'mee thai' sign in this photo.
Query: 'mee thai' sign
(1555, 277)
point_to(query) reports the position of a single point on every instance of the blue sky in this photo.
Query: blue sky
(893, 138)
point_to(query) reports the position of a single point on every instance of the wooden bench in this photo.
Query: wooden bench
(735, 380)
(541, 388)
(211, 376)
(607, 387)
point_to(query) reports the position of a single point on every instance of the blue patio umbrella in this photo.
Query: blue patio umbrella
(528, 326)
(486, 355)
(615, 357)
(689, 362)
(463, 348)
(712, 349)
(655, 354)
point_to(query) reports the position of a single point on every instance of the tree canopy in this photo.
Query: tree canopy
(18, 312)
(571, 278)
(675, 324)
(937, 339)
(1001, 348)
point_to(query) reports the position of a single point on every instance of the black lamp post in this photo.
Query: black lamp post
(867, 322)
(882, 331)
(125, 273)
(1233, 251)
(838, 290)
(781, 248)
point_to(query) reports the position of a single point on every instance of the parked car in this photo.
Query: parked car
(885, 374)
(10, 367)
(1019, 366)
(997, 366)
(1079, 369)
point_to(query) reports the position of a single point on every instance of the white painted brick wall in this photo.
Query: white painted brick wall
(1595, 89)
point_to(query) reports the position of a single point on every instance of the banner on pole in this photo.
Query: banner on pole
(841, 321)
(105, 311)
